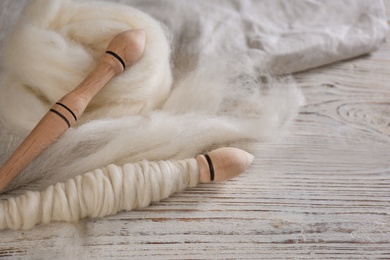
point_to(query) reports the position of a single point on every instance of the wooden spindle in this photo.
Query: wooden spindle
(124, 50)
(223, 164)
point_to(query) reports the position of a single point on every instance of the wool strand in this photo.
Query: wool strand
(99, 193)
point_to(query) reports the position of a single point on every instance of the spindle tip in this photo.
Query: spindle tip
(127, 47)
(223, 164)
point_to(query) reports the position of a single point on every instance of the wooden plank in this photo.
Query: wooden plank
(323, 192)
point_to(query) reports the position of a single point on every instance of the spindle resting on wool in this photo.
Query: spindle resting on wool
(125, 49)
(112, 189)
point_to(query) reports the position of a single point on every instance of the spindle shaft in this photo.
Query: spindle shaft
(124, 50)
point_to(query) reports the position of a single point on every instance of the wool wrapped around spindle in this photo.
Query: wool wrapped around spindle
(99, 193)
(112, 189)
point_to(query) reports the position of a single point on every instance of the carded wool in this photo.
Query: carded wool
(224, 98)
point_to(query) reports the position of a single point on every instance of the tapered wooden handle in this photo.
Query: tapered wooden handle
(223, 164)
(124, 50)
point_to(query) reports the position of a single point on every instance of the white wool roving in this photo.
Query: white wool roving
(99, 193)
(57, 43)
(218, 96)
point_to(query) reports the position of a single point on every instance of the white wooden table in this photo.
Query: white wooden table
(322, 193)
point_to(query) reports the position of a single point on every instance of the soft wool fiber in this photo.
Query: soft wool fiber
(57, 43)
(224, 98)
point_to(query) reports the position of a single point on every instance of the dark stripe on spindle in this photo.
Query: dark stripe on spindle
(67, 108)
(211, 167)
(60, 115)
(117, 57)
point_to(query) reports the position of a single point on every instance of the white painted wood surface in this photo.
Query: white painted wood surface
(322, 193)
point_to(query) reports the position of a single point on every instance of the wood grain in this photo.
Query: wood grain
(323, 192)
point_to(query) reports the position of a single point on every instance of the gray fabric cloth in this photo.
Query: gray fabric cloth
(280, 36)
